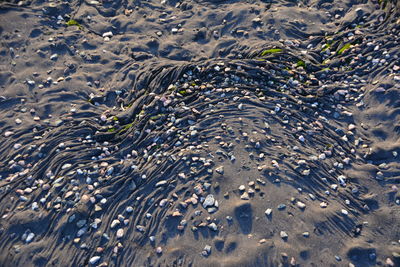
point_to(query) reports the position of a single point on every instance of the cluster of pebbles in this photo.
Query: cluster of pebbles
(202, 160)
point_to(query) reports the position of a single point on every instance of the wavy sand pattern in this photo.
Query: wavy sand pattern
(200, 133)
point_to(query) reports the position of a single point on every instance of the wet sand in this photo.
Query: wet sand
(199, 133)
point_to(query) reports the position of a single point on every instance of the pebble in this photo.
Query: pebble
(120, 233)
(213, 226)
(8, 133)
(30, 237)
(220, 170)
(283, 235)
(301, 205)
(129, 209)
(66, 166)
(268, 212)
(245, 196)
(114, 223)
(54, 57)
(94, 259)
(206, 251)
(159, 250)
(108, 34)
(209, 201)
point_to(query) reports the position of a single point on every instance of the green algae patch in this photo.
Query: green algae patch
(271, 51)
(344, 48)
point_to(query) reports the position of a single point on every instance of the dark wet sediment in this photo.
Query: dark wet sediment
(266, 137)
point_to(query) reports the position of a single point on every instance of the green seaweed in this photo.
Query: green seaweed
(126, 127)
(344, 48)
(183, 92)
(271, 51)
(301, 63)
(156, 117)
(73, 22)
(111, 130)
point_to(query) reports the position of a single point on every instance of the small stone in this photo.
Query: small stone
(209, 201)
(54, 57)
(213, 226)
(268, 212)
(108, 34)
(30, 237)
(120, 233)
(94, 260)
(245, 196)
(158, 250)
(300, 205)
(283, 235)
(345, 212)
(114, 223)
(8, 133)
(206, 251)
(242, 188)
(306, 234)
(66, 166)
(301, 138)
(129, 209)
(281, 206)
(17, 146)
(220, 170)
(18, 121)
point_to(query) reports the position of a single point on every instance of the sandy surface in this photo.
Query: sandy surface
(200, 133)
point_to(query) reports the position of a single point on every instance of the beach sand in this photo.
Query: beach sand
(199, 133)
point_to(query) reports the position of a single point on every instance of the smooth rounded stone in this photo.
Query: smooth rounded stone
(66, 166)
(114, 223)
(345, 212)
(81, 223)
(108, 34)
(161, 183)
(301, 138)
(120, 233)
(283, 235)
(54, 57)
(300, 205)
(8, 133)
(29, 237)
(94, 259)
(35, 206)
(206, 251)
(18, 121)
(306, 234)
(159, 250)
(17, 146)
(242, 188)
(213, 226)
(323, 205)
(281, 206)
(129, 209)
(220, 169)
(81, 232)
(209, 201)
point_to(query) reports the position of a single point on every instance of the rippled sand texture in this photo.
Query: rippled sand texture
(200, 133)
